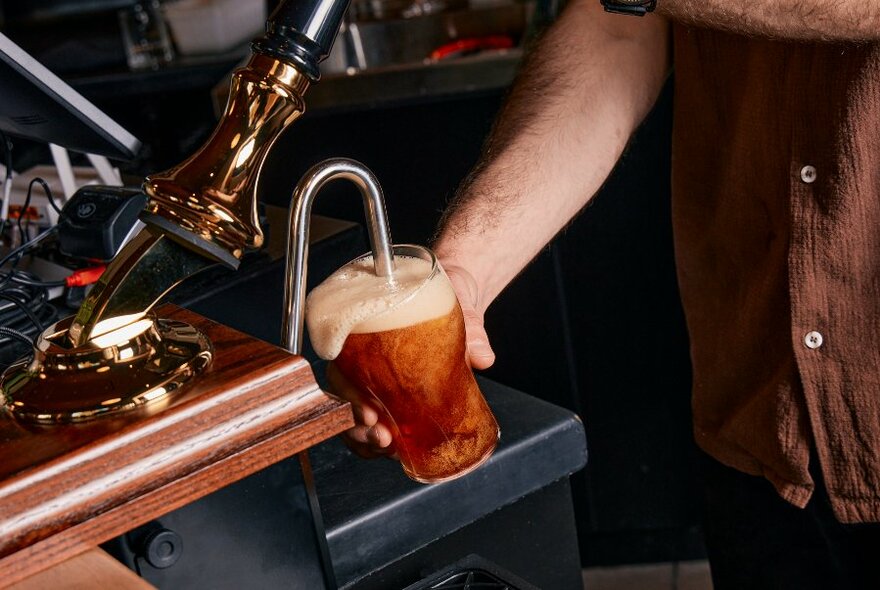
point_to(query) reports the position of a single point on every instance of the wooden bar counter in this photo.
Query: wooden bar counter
(66, 488)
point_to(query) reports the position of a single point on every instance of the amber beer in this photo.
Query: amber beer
(403, 343)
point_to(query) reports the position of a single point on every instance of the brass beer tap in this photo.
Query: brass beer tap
(200, 213)
(208, 203)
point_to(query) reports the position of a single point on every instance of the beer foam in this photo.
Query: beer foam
(355, 300)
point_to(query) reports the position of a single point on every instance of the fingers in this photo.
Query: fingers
(364, 413)
(480, 353)
(377, 436)
(369, 437)
(369, 442)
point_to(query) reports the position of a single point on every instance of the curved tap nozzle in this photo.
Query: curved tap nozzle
(298, 236)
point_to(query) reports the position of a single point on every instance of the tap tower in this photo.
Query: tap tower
(200, 212)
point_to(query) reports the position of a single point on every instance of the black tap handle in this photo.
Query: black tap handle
(302, 31)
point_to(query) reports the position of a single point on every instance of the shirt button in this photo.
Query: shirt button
(808, 174)
(813, 340)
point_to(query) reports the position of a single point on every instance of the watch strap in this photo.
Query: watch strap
(631, 7)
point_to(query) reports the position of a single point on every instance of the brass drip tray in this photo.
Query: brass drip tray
(138, 363)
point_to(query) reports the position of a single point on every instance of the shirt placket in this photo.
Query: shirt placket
(811, 332)
(807, 321)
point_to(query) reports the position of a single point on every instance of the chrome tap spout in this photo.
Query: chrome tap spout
(298, 236)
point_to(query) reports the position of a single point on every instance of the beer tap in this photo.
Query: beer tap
(298, 237)
(207, 205)
(199, 213)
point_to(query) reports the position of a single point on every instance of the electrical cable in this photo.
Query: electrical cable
(7, 147)
(30, 311)
(16, 254)
(7, 184)
(27, 203)
(52, 202)
(16, 335)
(20, 250)
(24, 299)
(78, 278)
(26, 278)
(4, 206)
(23, 306)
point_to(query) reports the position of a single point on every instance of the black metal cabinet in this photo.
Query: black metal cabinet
(386, 531)
(256, 533)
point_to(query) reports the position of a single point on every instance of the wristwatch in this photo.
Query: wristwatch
(632, 7)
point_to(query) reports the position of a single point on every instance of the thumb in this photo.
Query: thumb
(479, 351)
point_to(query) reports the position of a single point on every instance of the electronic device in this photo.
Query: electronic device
(97, 220)
(36, 104)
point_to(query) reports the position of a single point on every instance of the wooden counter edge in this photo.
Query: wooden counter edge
(92, 569)
(333, 419)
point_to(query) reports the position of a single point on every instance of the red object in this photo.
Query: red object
(471, 45)
(85, 276)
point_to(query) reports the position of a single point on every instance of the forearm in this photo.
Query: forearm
(817, 20)
(580, 95)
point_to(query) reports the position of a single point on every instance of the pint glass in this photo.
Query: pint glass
(404, 348)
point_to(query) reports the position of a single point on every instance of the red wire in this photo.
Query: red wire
(85, 276)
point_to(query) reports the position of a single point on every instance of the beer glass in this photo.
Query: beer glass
(407, 354)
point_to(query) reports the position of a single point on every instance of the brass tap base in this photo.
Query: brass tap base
(142, 363)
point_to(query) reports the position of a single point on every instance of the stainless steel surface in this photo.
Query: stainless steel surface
(298, 236)
(362, 10)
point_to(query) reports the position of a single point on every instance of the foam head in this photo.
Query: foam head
(355, 300)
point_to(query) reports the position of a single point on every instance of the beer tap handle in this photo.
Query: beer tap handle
(204, 209)
(302, 32)
(298, 236)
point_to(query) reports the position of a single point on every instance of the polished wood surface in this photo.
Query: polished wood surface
(66, 488)
(87, 571)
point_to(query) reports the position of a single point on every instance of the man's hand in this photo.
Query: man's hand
(371, 437)
(479, 351)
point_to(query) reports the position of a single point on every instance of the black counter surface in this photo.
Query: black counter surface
(374, 515)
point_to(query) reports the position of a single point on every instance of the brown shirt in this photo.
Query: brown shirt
(776, 211)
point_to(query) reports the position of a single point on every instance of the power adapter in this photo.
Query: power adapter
(96, 220)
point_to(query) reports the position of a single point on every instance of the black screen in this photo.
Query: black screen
(37, 105)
